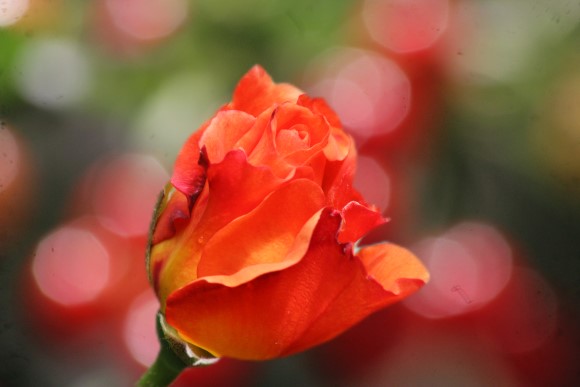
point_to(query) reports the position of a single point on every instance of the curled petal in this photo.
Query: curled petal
(339, 144)
(257, 92)
(391, 266)
(299, 120)
(290, 116)
(319, 106)
(292, 140)
(285, 311)
(224, 131)
(292, 137)
(266, 234)
(338, 180)
(252, 137)
(358, 221)
(189, 169)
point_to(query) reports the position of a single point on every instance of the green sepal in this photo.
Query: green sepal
(174, 356)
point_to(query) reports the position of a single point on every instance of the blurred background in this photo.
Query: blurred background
(466, 115)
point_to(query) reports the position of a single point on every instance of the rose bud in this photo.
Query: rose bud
(253, 252)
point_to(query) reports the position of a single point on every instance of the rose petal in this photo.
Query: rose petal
(171, 217)
(283, 312)
(264, 153)
(390, 274)
(156, 259)
(339, 144)
(257, 92)
(338, 181)
(319, 106)
(316, 166)
(174, 209)
(388, 264)
(234, 188)
(253, 136)
(224, 131)
(358, 221)
(266, 234)
(288, 117)
(292, 140)
(294, 255)
(187, 171)
(338, 141)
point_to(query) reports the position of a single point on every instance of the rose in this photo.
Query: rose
(252, 252)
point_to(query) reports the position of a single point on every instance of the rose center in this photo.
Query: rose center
(291, 140)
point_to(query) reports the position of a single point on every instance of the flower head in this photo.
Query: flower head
(252, 246)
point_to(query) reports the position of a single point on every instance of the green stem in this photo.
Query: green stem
(165, 370)
(174, 356)
(168, 364)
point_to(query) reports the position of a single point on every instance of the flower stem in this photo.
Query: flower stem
(163, 371)
(168, 364)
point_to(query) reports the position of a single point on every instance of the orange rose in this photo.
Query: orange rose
(252, 252)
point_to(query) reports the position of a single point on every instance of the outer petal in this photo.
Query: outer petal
(388, 263)
(286, 311)
(265, 235)
(390, 274)
(256, 92)
(234, 188)
(187, 172)
(173, 211)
